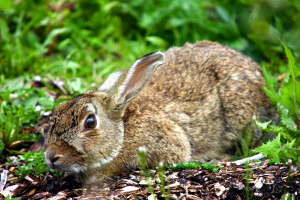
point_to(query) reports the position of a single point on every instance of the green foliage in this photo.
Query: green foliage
(184, 165)
(35, 164)
(289, 94)
(8, 198)
(288, 102)
(194, 165)
(161, 175)
(142, 155)
(90, 38)
(248, 176)
(211, 167)
(2, 145)
(277, 152)
(246, 143)
(9, 120)
(18, 101)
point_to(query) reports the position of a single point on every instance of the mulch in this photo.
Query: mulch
(257, 181)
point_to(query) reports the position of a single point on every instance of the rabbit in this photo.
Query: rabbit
(186, 104)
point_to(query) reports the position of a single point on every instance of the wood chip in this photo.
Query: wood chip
(259, 182)
(229, 183)
(220, 189)
(174, 185)
(130, 182)
(149, 181)
(28, 178)
(40, 195)
(12, 169)
(9, 190)
(129, 189)
(59, 196)
(3, 179)
(31, 192)
(151, 197)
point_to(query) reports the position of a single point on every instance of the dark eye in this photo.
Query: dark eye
(90, 122)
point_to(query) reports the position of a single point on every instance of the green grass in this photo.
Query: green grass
(194, 165)
(90, 39)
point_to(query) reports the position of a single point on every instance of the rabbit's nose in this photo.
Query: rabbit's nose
(51, 158)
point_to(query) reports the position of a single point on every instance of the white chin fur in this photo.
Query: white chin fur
(108, 159)
(103, 161)
(76, 169)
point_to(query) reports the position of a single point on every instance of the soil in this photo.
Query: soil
(258, 181)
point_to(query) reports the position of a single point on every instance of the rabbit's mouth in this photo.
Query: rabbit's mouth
(67, 166)
(65, 159)
(73, 168)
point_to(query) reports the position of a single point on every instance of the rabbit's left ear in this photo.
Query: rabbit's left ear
(110, 81)
(131, 82)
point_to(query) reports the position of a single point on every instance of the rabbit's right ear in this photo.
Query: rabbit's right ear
(131, 82)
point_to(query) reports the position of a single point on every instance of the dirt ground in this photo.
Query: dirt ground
(259, 181)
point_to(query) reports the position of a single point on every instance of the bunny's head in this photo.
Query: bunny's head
(87, 131)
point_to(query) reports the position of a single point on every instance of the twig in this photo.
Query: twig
(255, 157)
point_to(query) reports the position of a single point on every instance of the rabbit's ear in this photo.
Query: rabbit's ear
(110, 81)
(131, 82)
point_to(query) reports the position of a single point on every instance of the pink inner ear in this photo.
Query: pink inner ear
(137, 76)
(137, 79)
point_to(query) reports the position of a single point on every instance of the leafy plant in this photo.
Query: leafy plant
(9, 123)
(9, 120)
(18, 103)
(8, 198)
(211, 167)
(35, 164)
(278, 152)
(194, 165)
(244, 150)
(288, 102)
(184, 165)
(89, 38)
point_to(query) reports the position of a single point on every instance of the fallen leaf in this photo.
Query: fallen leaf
(9, 190)
(220, 189)
(129, 189)
(31, 192)
(3, 179)
(259, 182)
(174, 185)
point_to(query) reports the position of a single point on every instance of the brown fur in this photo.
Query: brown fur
(194, 107)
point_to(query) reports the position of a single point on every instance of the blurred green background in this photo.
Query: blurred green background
(90, 39)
